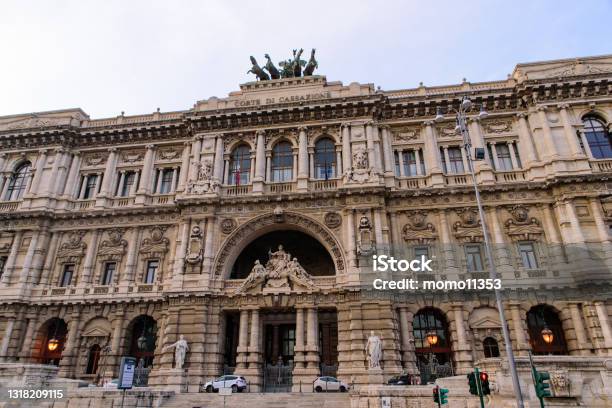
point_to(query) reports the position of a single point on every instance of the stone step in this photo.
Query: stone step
(259, 400)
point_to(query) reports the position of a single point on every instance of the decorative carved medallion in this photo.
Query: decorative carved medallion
(418, 231)
(522, 228)
(115, 245)
(156, 243)
(228, 225)
(74, 246)
(333, 219)
(469, 228)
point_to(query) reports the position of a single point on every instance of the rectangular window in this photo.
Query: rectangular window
(473, 256)
(503, 157)
(67, 275)
(455, 161)
(109, 273)
(2, 264)
(90, 186)
(528, 255)
(421, 251)
(166, 181)
(410, 165)
(151, 271)
(128, 181)
(397, 166)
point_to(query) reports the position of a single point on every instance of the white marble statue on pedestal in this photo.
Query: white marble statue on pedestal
(180, 351)
(374, 350)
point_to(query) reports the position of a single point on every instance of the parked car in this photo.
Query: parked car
(236, 383)
(403, 379)
(324, 384)
(114, 383)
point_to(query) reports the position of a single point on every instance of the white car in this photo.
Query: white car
(114, 383)
(236, 383)
(324, 384)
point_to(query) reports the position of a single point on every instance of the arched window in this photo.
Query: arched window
(597, 137)
(282, 162)
(490, 347)
(143, 336)
(92, 359)
(545, 317)
(18, 182)
(240, 166)
(325, 159)
(54, 337)
(428, 322)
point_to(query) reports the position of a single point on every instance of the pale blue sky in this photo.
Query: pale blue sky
(134, 56)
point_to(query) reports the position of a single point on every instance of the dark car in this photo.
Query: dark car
(400, 380)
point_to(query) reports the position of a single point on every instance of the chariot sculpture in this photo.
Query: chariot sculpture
(289, 68)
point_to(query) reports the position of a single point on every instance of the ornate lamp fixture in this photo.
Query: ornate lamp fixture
(141, 342)
(547, 335)
(53, 342)
(432, 338)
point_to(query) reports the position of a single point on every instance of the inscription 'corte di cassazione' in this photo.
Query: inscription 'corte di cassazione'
(284, 99)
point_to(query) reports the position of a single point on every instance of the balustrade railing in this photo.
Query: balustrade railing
(233, 191)
(601, 166)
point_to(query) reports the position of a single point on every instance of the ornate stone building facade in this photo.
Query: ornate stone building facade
(118, 235)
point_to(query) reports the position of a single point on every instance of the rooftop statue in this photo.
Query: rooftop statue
(256, 69)
(289, 68)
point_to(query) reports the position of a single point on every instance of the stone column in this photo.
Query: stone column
(40, 166)
(109, 173)
(604, 323)
(218, 164)
(463, 353)
(181, 249)
(495, 158)
(12, 257)
(387, 152)
(570, 133)
(134, 188)
(419, 165)
(99, 177)
(117, 323)
(574, 222)
(6, 339)
(408, 352)
(396, 236)
(254, 358)
(299, 338)
(40, 252)
(71, 186)
(500, 249)
(29, 257)
(547, 136)
(90, 258)
(583, 344)
(49, 259)
(446, 243)
(182, 182)
(339, 166)
(68, 363)
(602, 228)
(54, 178)
(303, 165)
(25, 352)
(260, 162)
(226, 170)
(312, 340)
(346, 147)
(5, 183)
(370, 147)
(145, 177)
(585, 144)
(209, 241)
(526, 147)
(83, 185)
(521, 345)
(447, 159)
(350, 238)
(241, 358)
(131, 260)
(400, 159)
(431, 155)
(159, 176)
(196, 151)
(513, 159)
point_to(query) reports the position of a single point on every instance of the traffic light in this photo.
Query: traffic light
(472, 383)
(484, 383)
(436, 395)
(443, 396)
(541, 385)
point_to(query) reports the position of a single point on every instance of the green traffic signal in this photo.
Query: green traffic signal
(443, 396)
(541, 385)
(472, 383)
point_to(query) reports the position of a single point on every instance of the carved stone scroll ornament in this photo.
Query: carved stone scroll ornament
(522, 228)
(418, 230)
(282, 273)
(365, 246)
(195, 245)
(203, 181)
(469, 228)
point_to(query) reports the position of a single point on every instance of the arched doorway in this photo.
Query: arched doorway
(93, 359)
(54, 339)
(310, 253)
(142, 338)
(543, 317)
(432, 344)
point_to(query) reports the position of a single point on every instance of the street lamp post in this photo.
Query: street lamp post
(464, 108)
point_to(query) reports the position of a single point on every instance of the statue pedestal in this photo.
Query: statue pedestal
(375, 376)
(174, 379)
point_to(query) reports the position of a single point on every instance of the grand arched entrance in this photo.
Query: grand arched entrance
(280, 338)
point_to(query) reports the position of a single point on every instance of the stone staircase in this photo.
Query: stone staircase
(259, 400)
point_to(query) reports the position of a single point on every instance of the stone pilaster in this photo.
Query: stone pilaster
(463, 351)
(407, 338)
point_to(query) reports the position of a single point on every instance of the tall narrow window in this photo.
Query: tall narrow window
(455, 161)
(109, 272)
(282, 162)
(325, 159)
(90, 186)
(410, 164)
(528, 255)
(151, 271)
(18, 182)
(240, 166)
(473, 256)
(164, 181)
(129, 178)
(503, 157)
(597, 137)
(67, 275)
(397, 163)
(93, 359)
(490, 347)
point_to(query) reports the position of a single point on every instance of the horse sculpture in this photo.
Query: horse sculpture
(298, 63)
(312, 64)
(256, 69)
(271, 68)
